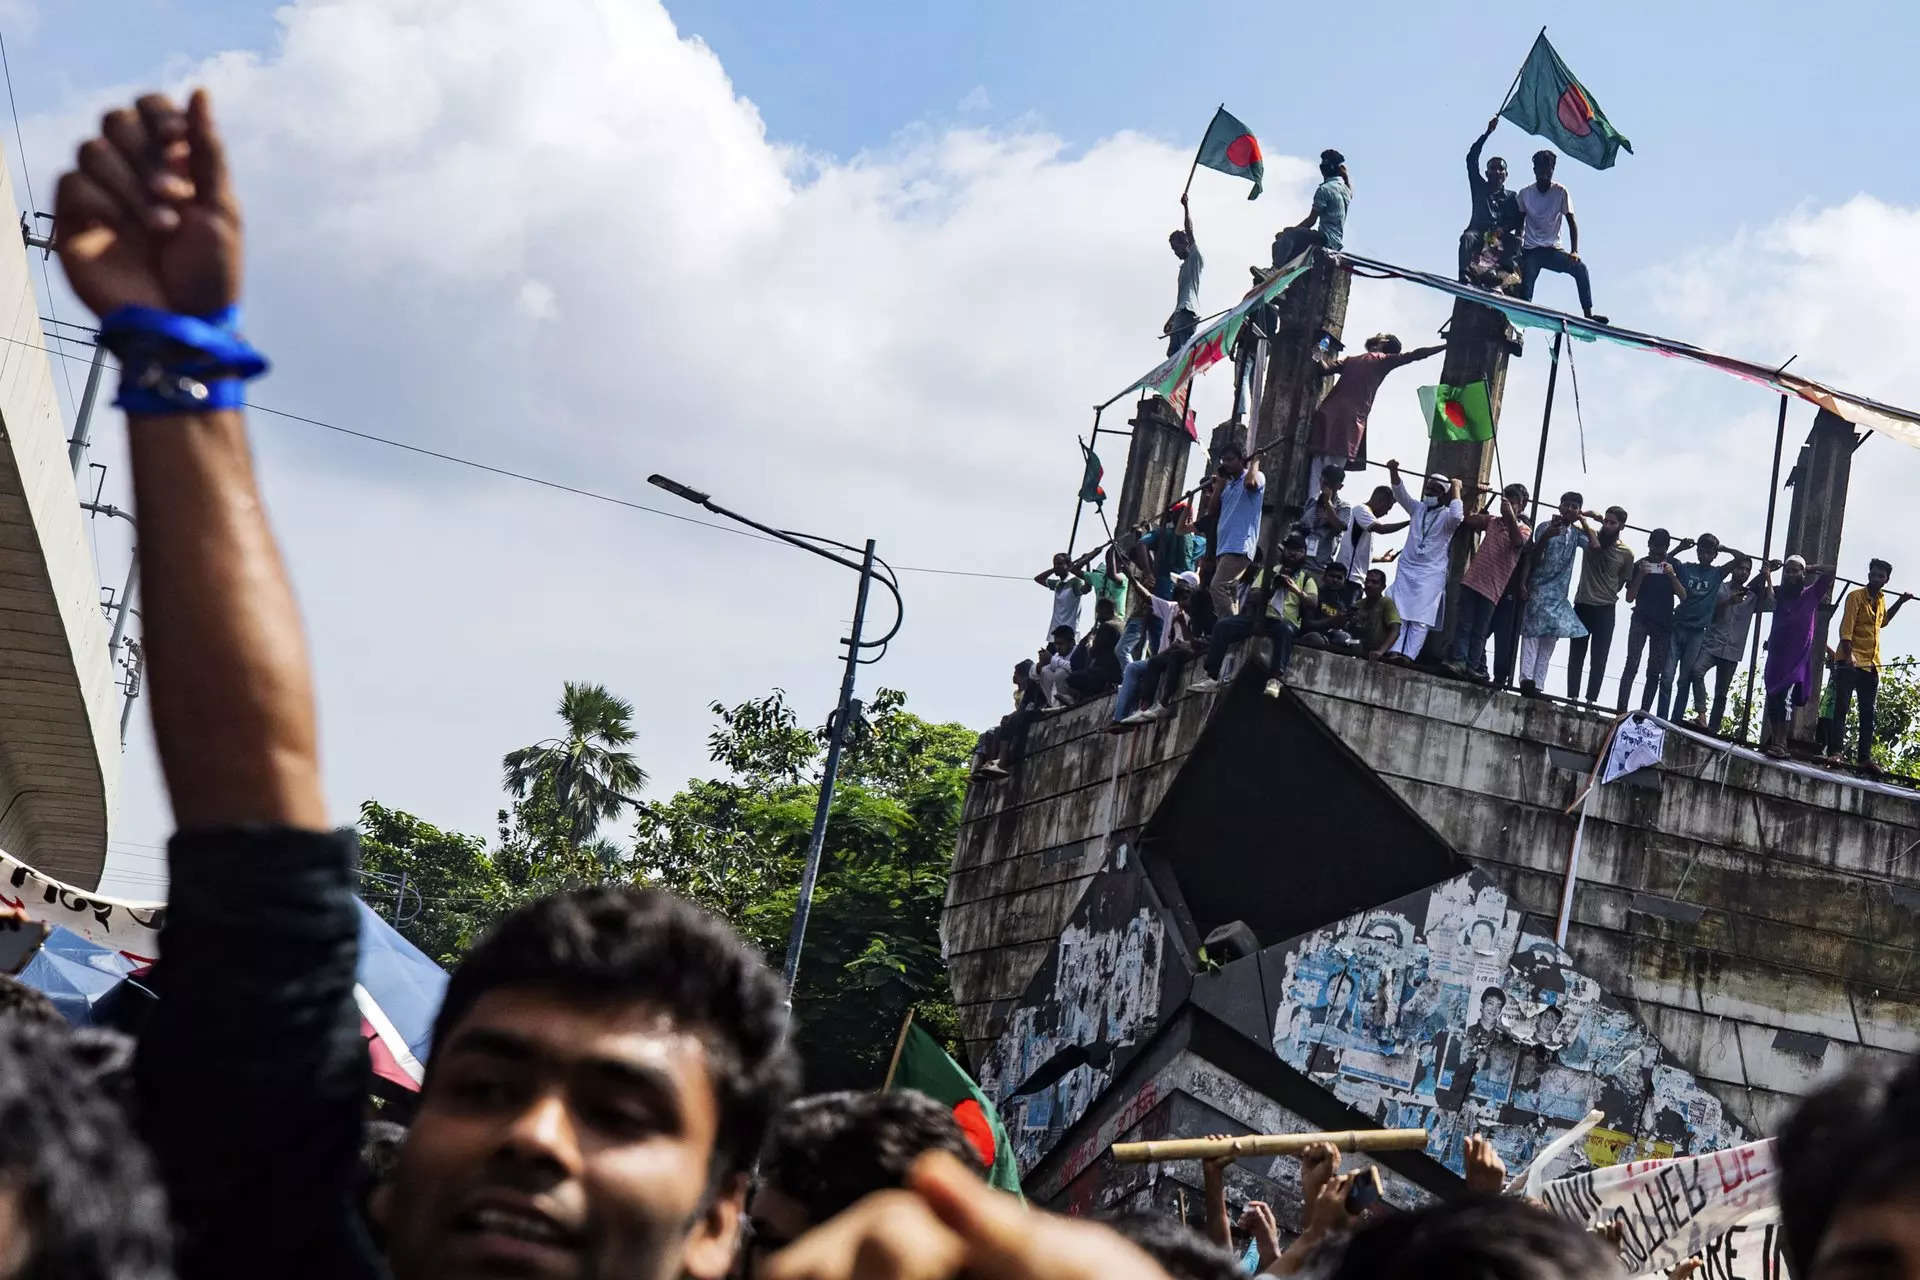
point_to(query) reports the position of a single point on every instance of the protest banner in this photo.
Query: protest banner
(1669, 1210)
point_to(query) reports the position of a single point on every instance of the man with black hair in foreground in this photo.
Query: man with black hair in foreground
(605, 1062)
(827, 1151)
(1850, 1177)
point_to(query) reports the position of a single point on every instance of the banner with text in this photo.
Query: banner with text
(1669, 1210)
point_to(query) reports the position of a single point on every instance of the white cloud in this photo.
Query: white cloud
(553, 238)
(976, 99)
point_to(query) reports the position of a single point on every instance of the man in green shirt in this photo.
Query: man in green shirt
(1376, 620)
(1289, 588)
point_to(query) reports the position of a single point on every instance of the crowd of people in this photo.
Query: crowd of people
(612, 1065)
(1191, 589)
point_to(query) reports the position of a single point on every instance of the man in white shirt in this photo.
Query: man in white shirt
(1186, 307)
(1543, 204)
(1356, 548)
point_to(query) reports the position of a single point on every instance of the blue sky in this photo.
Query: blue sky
(567, 239)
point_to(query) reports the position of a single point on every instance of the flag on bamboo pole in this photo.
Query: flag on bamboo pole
(920, 1063)
(1090, 490)
(1548, 101)
(1173, 377)
(1230, 147)
(1457, 413)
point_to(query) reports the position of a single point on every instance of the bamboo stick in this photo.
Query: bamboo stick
(1269, 1144)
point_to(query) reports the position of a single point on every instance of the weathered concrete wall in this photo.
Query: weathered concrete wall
(1759, 921)
(59, 712)
(1029, 846)
(1801, 957)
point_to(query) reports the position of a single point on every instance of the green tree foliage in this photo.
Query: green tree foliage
(442, 886)
(737, 846)
(588, 778)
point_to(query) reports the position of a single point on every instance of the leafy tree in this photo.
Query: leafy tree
(588, 777)
(737, 845)
(442, 886)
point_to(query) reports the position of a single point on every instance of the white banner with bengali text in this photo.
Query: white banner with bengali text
(131, 928)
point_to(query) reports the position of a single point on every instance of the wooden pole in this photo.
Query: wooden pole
(899, 1043)
(1268, 1144)
(1195, 166)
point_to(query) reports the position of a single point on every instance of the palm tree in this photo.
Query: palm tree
(591, 779)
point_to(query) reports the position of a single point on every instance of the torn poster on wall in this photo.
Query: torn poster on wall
(1669, 1210)
(131, 928)
(1097, 995)
(1437, 1011)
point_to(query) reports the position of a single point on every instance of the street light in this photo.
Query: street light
(837, 728)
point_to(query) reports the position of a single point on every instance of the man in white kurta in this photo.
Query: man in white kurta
(1420, 575)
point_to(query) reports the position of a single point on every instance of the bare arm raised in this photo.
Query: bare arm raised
(149, 219)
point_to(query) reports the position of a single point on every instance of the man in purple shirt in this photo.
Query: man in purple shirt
(1796, 608)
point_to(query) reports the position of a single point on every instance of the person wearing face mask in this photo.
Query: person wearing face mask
(1420, 575)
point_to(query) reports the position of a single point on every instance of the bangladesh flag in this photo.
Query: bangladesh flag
(922, 1064)
(1231, 147)
(1090, 490)
(1549, 102)
(1457, 413)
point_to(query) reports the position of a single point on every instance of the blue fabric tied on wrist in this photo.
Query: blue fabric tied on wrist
(173, 363)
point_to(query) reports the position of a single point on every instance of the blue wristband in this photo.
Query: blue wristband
(174, 363)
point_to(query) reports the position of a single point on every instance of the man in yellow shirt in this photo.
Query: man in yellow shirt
(1857, 668)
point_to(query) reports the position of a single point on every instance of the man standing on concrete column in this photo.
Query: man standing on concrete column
(1495, 211)
(1238, 490)
(1186, 307)
(1857, 668)
(1340, 423)
(1545, 203)
(1420, 575)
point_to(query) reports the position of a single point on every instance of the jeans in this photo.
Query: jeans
(1292, 242)
(1470, 632)
(1547, 258)
(1179, 329)
(1139, 633)
(1228, 632)
(1658, 646)
(1506, 637)
(1142, 681)
(1686, 656)
(1598, 620)
(1848, 681)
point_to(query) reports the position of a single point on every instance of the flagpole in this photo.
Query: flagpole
(1195, 166)
(1080, 503)
(899, 1043)
(1510, 88)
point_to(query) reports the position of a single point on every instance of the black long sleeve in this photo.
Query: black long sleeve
(251, 1074)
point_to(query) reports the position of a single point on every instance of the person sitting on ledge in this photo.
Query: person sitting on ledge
(1290, 592)
(1329, 623)
(1000, 748)
(1153, 680)
(1325, 225)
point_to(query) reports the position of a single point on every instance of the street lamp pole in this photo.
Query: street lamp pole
(843, 712)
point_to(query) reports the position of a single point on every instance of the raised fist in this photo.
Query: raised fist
(149, 216)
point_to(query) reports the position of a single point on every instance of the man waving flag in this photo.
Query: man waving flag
(1549, 102)
(1230, 147)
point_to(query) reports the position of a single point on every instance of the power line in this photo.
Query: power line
(33, 206)
(543, 482)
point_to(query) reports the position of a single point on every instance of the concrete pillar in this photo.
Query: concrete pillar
(1814, 523)
(1314, 306)
(1156, 464)
(1476, 350)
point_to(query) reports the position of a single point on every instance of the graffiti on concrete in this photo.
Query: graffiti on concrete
(1098, 995)
(1437, 1011)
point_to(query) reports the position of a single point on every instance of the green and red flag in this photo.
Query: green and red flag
(920, 1063)
(1547, 100)
(1231, 147)
(1457, 413)
(1090, 490)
